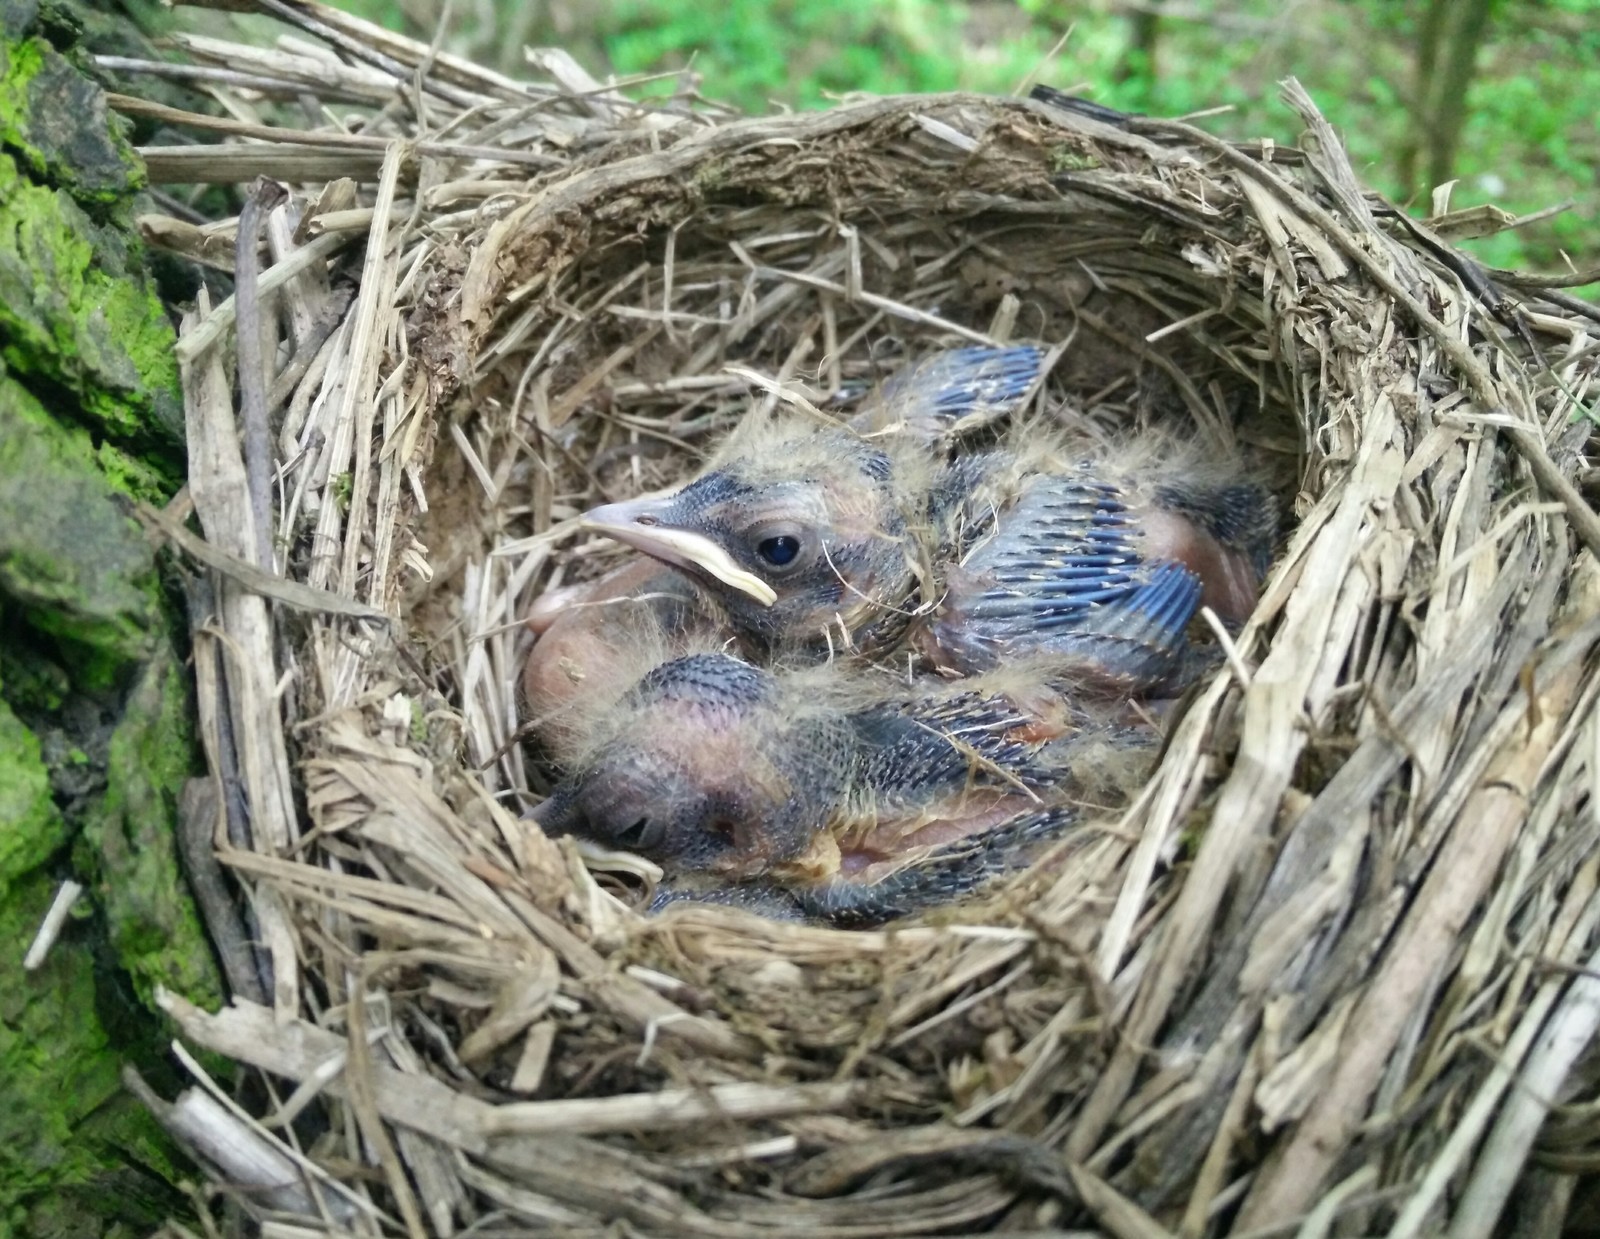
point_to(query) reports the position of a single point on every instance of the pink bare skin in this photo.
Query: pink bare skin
(584, 629)
(887, 844)
(1227, 581)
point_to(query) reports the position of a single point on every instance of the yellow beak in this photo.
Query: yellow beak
(637, 523)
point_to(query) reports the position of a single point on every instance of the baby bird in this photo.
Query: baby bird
(806, 789)
(797, 527)
(941, 395)
(1089, 557)
(1090, 565)
(794, 529)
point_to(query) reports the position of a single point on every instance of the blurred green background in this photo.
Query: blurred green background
(1502, 96)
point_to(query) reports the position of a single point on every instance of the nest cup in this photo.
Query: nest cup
(1322, 963)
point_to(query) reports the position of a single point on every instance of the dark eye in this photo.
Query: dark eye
(779, 551)
(643, 836)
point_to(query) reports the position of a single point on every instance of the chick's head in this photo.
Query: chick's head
(707, 768)
(796, 528)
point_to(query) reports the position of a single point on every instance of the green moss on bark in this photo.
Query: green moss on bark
(33, 828)
(61, 1104)
(73, 314)
(76, 306)
(132, 476)
(95, 738)
(69, 553)
(128, 842)
(56, 121)
(84, 576)
(73, 1147)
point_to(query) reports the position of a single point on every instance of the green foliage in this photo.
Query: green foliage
(796, 51)
(1530, 137)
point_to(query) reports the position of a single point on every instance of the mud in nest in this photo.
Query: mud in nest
(1328, 960)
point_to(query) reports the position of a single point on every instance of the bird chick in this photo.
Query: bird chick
(1094, 556)
(595, 642)
(799, 528)
(1089, 561)
(706, 765)
(811, 788)
(795, 529)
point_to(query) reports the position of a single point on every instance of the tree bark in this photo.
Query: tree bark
(95, 737)
(1144, 44)
(1470, 20)
(1450, 35)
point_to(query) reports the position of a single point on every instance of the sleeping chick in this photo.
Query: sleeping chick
(850, 801)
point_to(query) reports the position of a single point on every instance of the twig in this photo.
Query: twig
(293, 594)
(50, 928)
(263, 197)
(197, 817)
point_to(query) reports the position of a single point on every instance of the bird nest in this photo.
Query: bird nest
(1329, 966)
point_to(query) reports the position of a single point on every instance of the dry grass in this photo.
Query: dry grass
(1329, 969)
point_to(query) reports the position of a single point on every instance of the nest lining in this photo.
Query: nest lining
(1267, 987)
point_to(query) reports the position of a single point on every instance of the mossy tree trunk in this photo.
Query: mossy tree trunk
(95, 739)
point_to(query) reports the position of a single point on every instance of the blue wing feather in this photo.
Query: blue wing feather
(1061, 575)
(943, 389)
